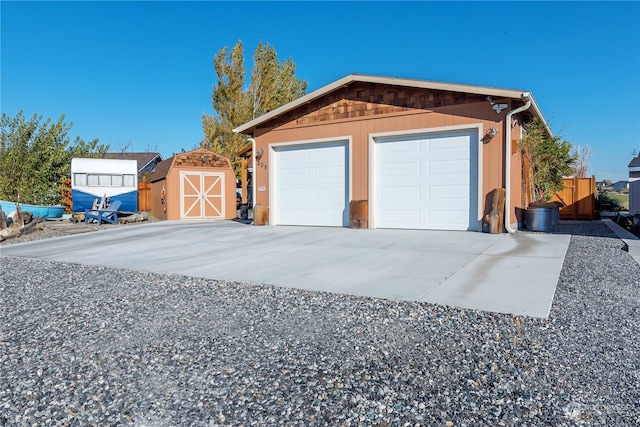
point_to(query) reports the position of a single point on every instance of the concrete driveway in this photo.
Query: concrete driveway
(507, 273)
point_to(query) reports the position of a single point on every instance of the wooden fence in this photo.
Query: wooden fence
(578, 198)
(144, 196)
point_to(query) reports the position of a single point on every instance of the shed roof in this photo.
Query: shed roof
(162, 170)
(200, 157)
(394, 81)
(634, 166)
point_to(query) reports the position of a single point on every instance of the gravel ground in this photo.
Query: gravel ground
(49, 229)
(97, 346)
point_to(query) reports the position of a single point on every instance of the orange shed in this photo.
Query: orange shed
(198, 184)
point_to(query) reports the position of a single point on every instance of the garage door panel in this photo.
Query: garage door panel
(295, 217)
(447, 145)
(299, 195)
(446, 193)
(327, 215)
(449, 167)
(426, 181)
(296, 155)
(294, 174)
(401, 146)
(401, 193)
(318, 193)
(401, 169)
(442, 219)
(401, 217)
(329, 174)
(328, 195)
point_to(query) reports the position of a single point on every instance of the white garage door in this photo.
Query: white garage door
(311, 184)
(427, 181)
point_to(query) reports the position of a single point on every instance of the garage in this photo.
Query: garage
(426, 181)
(311, 184)
(422, 154)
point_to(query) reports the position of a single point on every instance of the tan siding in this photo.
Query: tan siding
(157, 207)
(362, 109)
(192, 162)
(359, 130)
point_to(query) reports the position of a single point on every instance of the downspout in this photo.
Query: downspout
(507, 162)
(253, 173)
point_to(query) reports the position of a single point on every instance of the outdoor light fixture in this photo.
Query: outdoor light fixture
(492, 132)
(497, 107)
(259, 154)
(500, 107)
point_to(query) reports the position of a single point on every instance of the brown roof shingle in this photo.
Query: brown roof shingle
(143, 159)
(162, 169)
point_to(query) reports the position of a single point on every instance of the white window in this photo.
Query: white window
(129, 181)
(93, 180)
(80, 179)
(106, 180)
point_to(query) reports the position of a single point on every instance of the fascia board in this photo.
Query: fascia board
(536, 109)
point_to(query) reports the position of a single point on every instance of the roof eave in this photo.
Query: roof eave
(351, 78)
(536, 110)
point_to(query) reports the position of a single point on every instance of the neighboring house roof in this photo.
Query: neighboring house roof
(618, 185)
(634, 166)
(423, 84)
(143, 159)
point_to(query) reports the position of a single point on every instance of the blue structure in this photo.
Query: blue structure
(93, 179)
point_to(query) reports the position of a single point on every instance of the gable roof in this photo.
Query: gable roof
(394, 81)
(143, 159)
(634, 166)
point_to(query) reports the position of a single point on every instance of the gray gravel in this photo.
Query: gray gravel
(98, 346)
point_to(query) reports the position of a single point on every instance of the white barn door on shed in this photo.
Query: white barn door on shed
(427, 181)
(312, 184)
(201, 195)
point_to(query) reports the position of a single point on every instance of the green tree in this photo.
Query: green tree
(35, 157)
(273, 83)
(549, 159)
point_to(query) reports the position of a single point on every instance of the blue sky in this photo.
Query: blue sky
(140, 74)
